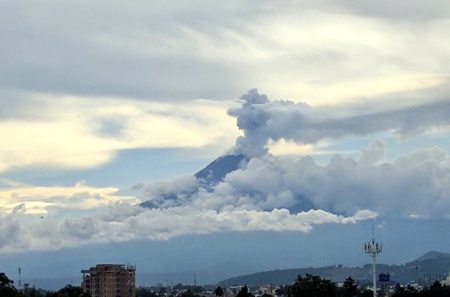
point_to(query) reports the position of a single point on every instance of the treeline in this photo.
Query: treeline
(305, 286)
(7, 289)
(435, 290)
(315, 286)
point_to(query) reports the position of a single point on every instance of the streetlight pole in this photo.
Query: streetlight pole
(373, 248)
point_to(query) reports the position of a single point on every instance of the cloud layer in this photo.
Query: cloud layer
(127, 222)
(78, 88)
(204, 49)
(40, 200)
(78, 132)
(263, 120)
(267, 193)
(413, 185)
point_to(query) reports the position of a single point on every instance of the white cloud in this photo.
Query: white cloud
(285, 147)
(74, 132)
(82, 87)
(414, 183)
(155, 224)
(373, 154)
(291, 49)
(267, 194)
(28, 199)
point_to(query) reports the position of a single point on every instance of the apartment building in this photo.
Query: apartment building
(109, 280)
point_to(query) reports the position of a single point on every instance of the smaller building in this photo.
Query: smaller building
(446, 282)
(110, 280)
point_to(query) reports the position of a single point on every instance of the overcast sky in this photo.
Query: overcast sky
(344, 104)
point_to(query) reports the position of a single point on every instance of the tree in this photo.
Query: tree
(5, 281)
(350, 288)
(218, 291)
(32, 292)
(188, 293)
(69, 291)
(312, 286)
(436, 290)
(408, 292)
(145, 292)
(244, 292)
(6, 286)
(280, 291)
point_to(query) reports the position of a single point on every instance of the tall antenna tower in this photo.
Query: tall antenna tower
(20, 277)
(373, 248)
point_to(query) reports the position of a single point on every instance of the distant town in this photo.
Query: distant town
(426, 276)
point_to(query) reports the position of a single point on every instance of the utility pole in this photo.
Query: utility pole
(373, 248)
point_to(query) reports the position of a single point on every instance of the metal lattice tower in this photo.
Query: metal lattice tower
(373, 248)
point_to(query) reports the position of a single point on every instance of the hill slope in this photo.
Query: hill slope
(426, 269)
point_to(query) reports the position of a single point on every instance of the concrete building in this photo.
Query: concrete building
(109, 280)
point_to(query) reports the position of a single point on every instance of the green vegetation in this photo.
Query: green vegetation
(435, 290)
(219, 292)
(244, 292)
(7, 289)
(314, 286)
(6, 286)
(305, 286)
(431, 264)
(178, 290)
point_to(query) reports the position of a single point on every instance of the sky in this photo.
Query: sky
(340, 109)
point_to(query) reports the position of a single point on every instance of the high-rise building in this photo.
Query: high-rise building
(109, 280)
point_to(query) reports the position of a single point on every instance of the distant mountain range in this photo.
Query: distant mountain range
(207, 275)
(425, 269)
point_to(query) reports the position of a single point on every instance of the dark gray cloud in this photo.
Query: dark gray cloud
(263, 120)
(10, 231)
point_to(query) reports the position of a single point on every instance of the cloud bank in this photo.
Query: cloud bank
(76, 89)
(413, 185)
(266, 193)
(125, 222)
(263, 120)
(40, 200)
(204, 49)
(79, 132)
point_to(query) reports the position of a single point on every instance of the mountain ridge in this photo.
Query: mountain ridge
(431, 255)
(428, 267)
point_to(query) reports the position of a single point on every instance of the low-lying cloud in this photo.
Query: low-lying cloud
(127, 222)
(416, 185)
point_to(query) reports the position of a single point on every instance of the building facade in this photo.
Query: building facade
(109, 280)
